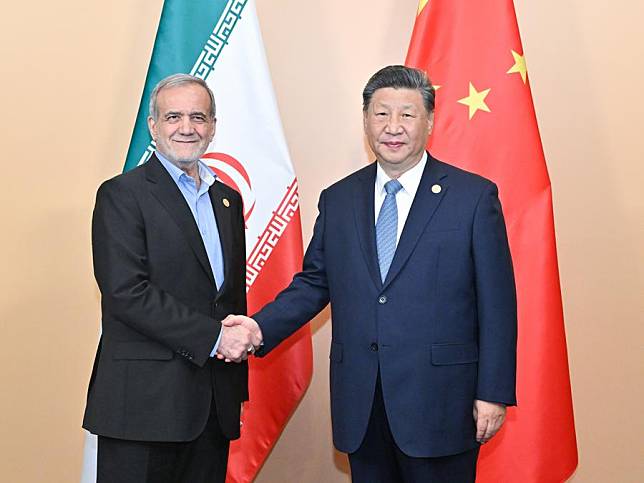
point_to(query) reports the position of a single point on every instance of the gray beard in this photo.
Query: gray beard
(182, 162)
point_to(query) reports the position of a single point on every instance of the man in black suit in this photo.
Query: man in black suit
(169, 259)
(413, 256)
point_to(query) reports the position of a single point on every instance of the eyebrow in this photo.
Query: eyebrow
(179, 113)
(387, 106)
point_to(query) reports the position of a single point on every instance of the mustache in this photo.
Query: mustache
(190, 138)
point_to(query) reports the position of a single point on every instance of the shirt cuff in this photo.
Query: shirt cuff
(213, 353)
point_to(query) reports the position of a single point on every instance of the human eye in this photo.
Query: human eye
(200, 118)
(172, 118)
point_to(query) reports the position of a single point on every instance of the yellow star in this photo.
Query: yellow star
(476, 100)
(519, 66)
(421, 5)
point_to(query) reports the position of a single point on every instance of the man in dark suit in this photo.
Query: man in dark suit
(413, 255)
(169, 259)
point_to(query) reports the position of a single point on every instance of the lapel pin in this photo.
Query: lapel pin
(226, 202)
(436, 189)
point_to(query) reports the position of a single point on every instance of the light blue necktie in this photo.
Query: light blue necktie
(387, 227)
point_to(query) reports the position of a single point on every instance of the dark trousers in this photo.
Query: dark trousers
(379, 460)
(199, 461)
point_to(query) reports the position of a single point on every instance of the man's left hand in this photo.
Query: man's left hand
(489, 418)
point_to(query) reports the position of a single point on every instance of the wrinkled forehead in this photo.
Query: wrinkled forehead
(186, 98)
(398, 98)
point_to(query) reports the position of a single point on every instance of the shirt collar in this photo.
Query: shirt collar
(410, 179)
(205, 173)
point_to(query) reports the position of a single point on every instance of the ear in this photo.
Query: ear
(430, 122)
(152, 127)
(214, 129)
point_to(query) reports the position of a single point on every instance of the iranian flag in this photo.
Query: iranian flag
(220, 42)
(485, 123)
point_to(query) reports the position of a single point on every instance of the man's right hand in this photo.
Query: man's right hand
(240, 336)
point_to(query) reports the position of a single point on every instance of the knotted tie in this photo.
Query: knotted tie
(387, 227)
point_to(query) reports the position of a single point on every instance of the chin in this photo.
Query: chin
(395, 160)
(186, 158)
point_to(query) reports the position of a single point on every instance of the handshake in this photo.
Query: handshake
(240, 336)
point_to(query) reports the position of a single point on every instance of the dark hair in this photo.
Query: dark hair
(400, 77)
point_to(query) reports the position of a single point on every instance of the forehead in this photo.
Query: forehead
(390, 97)
(185, 97)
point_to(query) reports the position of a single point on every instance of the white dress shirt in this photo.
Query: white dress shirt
(405, 197)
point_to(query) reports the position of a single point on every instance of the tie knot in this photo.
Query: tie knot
(392, 187)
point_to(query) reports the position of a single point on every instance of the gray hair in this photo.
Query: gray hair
(176, 80)
(400, 77)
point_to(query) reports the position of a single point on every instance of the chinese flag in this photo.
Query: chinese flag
(485, 123)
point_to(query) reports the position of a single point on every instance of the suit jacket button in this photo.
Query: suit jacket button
(382, 299)
(374, 347)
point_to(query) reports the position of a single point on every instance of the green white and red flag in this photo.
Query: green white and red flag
(220, 41)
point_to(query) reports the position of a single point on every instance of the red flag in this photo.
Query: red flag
(279, 380)
(485, 123)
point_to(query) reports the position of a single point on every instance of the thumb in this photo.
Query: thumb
(231, 320)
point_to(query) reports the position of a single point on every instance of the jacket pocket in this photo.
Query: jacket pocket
(447, 354)
(142, 351)
(336, 352)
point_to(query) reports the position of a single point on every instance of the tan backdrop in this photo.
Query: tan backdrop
(72, 73)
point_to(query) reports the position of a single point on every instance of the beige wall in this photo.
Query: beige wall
(72, 73)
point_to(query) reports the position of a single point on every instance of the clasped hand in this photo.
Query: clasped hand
(489, 418)
(240, 337)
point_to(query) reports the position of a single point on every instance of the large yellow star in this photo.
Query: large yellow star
(519, 65)
(476, 100)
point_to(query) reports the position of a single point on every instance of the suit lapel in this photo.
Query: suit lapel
(364, 217)
(167, 193)
(223, 215)
(422, 209)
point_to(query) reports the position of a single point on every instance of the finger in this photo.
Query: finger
(481, 429)
(489, 432)
(233, 357)
(257, 335)
(243, 356)
(230, 321)
(494, 427)
(239, 354)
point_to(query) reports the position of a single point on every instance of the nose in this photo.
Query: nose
(394, 125)
(185, 126)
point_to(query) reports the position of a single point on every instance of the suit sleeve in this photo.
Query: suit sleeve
(304, 298)
(496, 302)
(122, 273)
